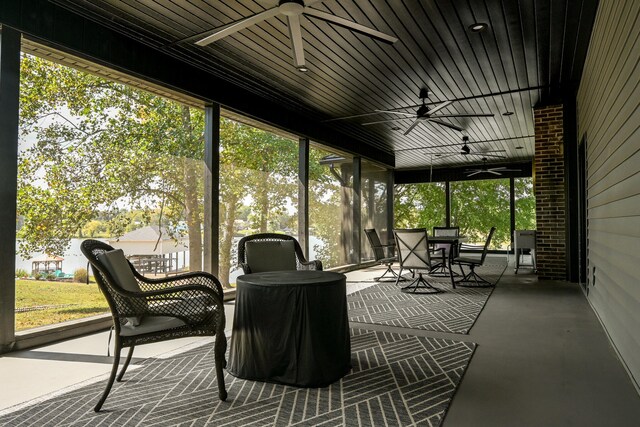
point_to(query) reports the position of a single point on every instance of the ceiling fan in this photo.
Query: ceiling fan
(293, 9)
(465, 150)
(423, 113)
(484, 169)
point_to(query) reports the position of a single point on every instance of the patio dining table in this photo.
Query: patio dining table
(453, 242)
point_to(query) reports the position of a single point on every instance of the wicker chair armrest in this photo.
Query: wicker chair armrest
(169, 293)
(159, 302)
(195, 278)
(245, 267)
(311, 265)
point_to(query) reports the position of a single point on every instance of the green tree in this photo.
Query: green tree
(476, 206)
(101, 146)
(258, 178)
(419, 205)
(111, 153)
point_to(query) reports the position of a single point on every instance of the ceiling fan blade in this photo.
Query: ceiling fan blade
(493, 172)
(507, 170)
(481, 155)
(238, 25)
(350, 117)
(388, 120)
(295, 34)
(449, 125)
(350, 25)
(440, 107)
(414, 124)
(466, 115)
(474, 173)
(397, 112)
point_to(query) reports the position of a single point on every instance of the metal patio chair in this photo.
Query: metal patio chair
(414, 254)
(472, 279)
(443, 270)
(383, 254)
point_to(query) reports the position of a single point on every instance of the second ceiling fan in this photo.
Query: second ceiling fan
(292, 10)
(493, 170)
(423, 113)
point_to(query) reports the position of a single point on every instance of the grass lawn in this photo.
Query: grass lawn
(79, 300)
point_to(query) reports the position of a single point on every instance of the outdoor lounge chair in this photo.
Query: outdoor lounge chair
(415, 254)
(472, 279)
(383, 254)
(152, 310)
(272, 252)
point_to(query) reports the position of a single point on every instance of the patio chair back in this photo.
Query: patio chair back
(413, 248)
(485, 249)
(376, 246)
(271, 252)
(445, 232)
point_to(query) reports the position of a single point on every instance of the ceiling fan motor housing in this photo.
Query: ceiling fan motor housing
(291, 7)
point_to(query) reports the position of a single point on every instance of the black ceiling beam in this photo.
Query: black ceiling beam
(424, 175)
(62, 29)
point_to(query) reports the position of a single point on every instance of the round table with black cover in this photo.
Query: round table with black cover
(291, 327)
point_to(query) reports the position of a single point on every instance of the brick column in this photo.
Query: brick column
(549, 186)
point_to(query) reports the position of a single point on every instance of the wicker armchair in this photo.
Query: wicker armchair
(151, 310)
(281, 252)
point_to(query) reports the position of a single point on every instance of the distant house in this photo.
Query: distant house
(153, 251)
(46, 265)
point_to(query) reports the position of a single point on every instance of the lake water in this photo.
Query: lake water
(74, 259)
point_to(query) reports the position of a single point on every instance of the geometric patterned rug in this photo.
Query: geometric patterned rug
(452, 311)
(397, 379)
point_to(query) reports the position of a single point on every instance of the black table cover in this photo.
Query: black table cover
(291, 327)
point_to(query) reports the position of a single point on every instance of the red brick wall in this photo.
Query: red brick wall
(549, 190)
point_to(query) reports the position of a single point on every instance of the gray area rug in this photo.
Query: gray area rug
(397, 380)
(453, 311)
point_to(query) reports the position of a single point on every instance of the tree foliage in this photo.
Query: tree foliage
(476, 206)
(101, 146)
(109, 158)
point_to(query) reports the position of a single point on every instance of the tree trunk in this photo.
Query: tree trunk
(230, 207)
(191, 202)
(262, 199)
(192, 215)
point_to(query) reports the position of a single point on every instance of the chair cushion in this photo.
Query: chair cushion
(149, 324)
(271, 255)
(117, 266)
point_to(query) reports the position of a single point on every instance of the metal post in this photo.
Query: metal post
(356, 219)
(9, 115)
(447, 203)
(512, 208)
(212, 188)
(303, 195)
(390, 199)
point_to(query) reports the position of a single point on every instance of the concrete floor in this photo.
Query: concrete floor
(542, 360)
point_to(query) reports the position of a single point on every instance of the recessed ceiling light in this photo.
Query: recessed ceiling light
(478, 27)
(507, 113)
(519, 147)
(303, 69)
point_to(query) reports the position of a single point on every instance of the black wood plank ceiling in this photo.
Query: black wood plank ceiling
(531, 52)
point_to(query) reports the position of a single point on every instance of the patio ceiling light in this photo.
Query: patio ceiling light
(478, 27)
